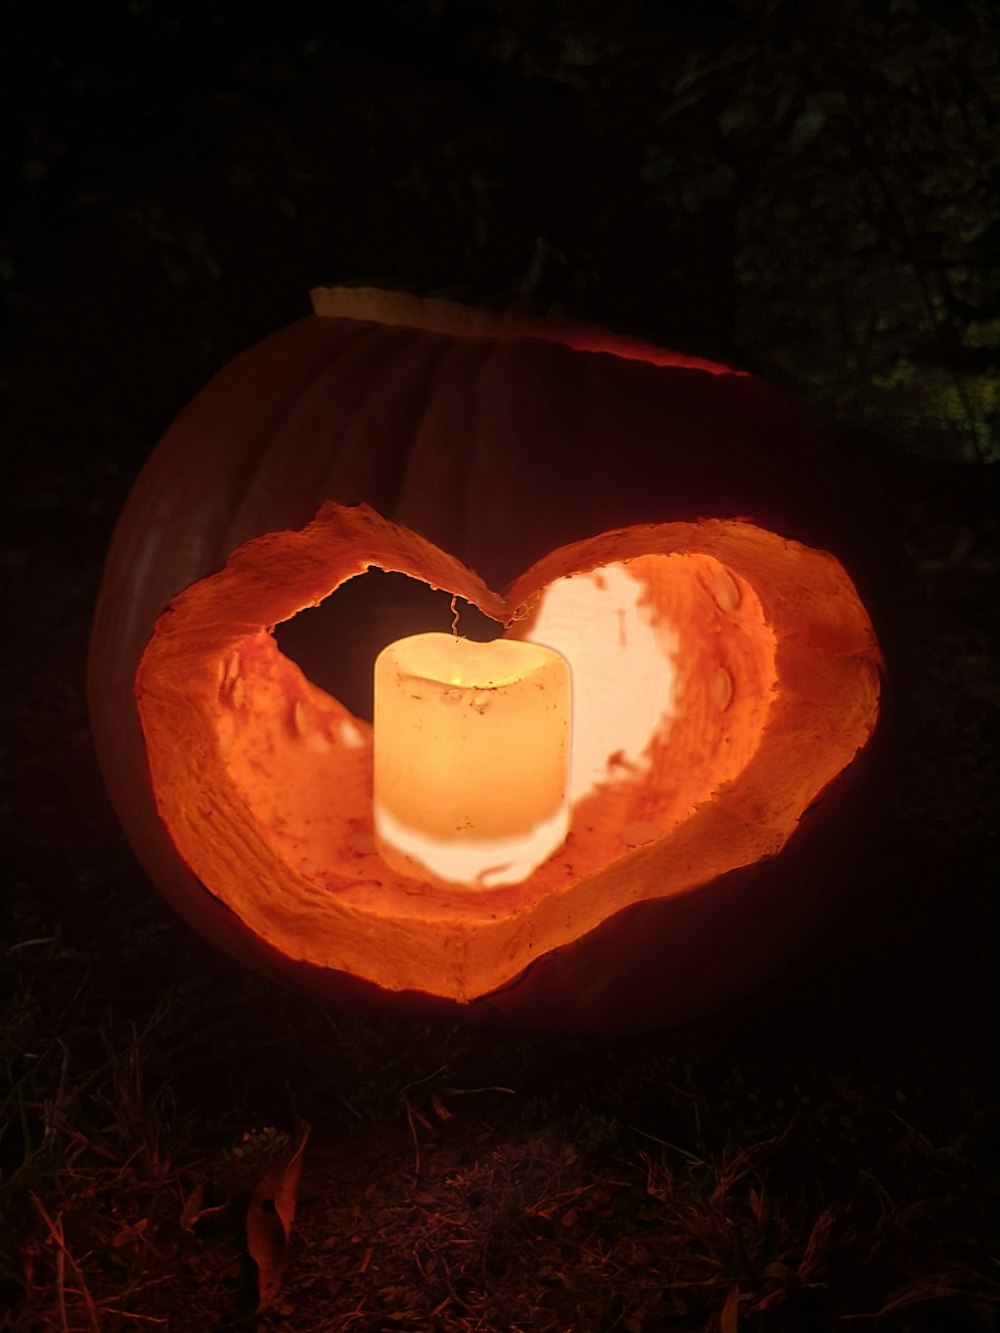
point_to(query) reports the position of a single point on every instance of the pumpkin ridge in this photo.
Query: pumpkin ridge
(460, 461)
(305, 390)
(401, 476)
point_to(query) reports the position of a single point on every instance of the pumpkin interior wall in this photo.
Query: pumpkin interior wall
(231, 726)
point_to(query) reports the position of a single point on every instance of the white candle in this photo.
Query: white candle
(471, 760)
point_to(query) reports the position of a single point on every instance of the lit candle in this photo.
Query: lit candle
(471, 757)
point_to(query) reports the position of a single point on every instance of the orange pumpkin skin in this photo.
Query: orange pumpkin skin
(498, 440)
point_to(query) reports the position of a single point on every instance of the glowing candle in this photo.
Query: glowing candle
(471, 757)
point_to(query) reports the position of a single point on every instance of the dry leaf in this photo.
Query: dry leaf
(191, 1208)
(818, 1245)
(270, 1218)
(729, 1320)
(128, 1234)
(780, 1272)
(192, 1211)
(440, 1110)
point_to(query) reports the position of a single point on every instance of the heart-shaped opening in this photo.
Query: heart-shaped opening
(722, 677)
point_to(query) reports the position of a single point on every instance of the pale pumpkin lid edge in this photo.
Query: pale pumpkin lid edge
(434, 314)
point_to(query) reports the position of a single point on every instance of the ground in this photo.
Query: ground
(811, 200)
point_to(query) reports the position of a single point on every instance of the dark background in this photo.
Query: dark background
(808, 191)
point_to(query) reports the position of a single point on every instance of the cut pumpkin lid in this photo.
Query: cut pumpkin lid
(435, 314)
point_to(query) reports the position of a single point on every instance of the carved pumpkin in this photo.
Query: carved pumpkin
(537, 455)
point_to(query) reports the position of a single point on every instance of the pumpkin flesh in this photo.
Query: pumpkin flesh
(263, 780)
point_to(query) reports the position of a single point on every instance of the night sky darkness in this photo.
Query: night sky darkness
(813, 198)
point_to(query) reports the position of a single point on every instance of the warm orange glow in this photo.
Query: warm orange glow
(757, 681)
(624, 671)
(471, 761)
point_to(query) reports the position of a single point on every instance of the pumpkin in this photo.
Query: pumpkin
(423, 438)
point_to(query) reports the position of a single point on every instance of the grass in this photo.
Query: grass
(457, 1181)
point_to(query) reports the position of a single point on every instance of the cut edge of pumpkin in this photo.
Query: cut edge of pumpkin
(824, 710)
(435, 314)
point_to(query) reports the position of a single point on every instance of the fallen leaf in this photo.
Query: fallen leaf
(440, 1110)
(270, 1218)
(780, 1272)
(191, 1209)
(192, 1212)
(729, 1320)
(128, 1234)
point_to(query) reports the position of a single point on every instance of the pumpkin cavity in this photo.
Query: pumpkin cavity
(337, 642)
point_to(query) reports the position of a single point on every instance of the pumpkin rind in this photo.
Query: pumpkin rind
(828, 659)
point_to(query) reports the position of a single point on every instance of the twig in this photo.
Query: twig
(413, 1134)
(56, 1233)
